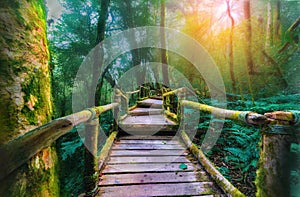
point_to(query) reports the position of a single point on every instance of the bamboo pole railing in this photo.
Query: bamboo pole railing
(20, 150)
(144, 92)
(278, 130)
(129, 95)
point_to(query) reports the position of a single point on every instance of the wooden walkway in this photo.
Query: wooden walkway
(148, 165)
(147, 119)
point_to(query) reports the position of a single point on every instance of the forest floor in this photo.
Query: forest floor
(236, 152)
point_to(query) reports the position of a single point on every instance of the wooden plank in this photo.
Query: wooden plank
(151, 103)
(145, 111)
(147, 147)
(179, 189)
(148, 129)
(157, 167)
(147, 137)
(147, 141)
(153, 159)
(119, 153)
(143, 178)
(147, 120)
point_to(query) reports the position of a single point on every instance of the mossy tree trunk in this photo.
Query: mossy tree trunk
(25, 99)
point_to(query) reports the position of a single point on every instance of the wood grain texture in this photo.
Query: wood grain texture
(146, 141)
(148, 159)
(176, 189)
(144, 178)
(120, 153)
(141, 146)
(154, 167)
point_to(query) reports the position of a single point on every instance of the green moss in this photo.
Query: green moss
(43, 177)
(260, 182)
(38, 177)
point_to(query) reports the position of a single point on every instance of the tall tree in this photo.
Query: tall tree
(277, 19)
(98, 53)
(269, 27)
(164, 56)
(248, 37)
(231, 59)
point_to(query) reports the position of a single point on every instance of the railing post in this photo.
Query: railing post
(127, 102)
(140, 93)
(90, 156)
(273, 175)
(180, 107)
(117, 99)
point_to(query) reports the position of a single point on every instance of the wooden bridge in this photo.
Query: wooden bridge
(145, 155)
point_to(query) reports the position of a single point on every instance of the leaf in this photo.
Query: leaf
(183, 166)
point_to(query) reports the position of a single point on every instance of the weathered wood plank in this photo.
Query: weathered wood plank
(119, 153)
(145, 111)
(153, 103)
(162, 177)
(157, 167)
(178, 189)
(145, 141)
(160, 159)
(147, 137)
(147, 146)
(147, 120)
(140, 129)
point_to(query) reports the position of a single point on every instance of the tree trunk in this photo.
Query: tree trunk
(231, 63)
(269, 29)
(248, 37)
(164, 57)
(277, 20)
(25, 100)
(128, 15)
(94, 100)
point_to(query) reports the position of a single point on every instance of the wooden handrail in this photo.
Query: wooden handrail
(133, 92)
(222, 182)
(244, 116)
(18, 151)
(174, 91)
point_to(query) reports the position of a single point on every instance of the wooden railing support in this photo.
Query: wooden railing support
(167, 103)
(273, 175)
(127, 102)
(180, 107)
(144, 92)
(90, 155)
(118, 100)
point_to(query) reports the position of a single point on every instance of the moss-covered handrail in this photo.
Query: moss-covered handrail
(173, 111)
(129, 94)
(278, 132)
(18, 151)
(144, 92)
(133, 92)
(248, 117)
(174, 92)
(222, 182)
